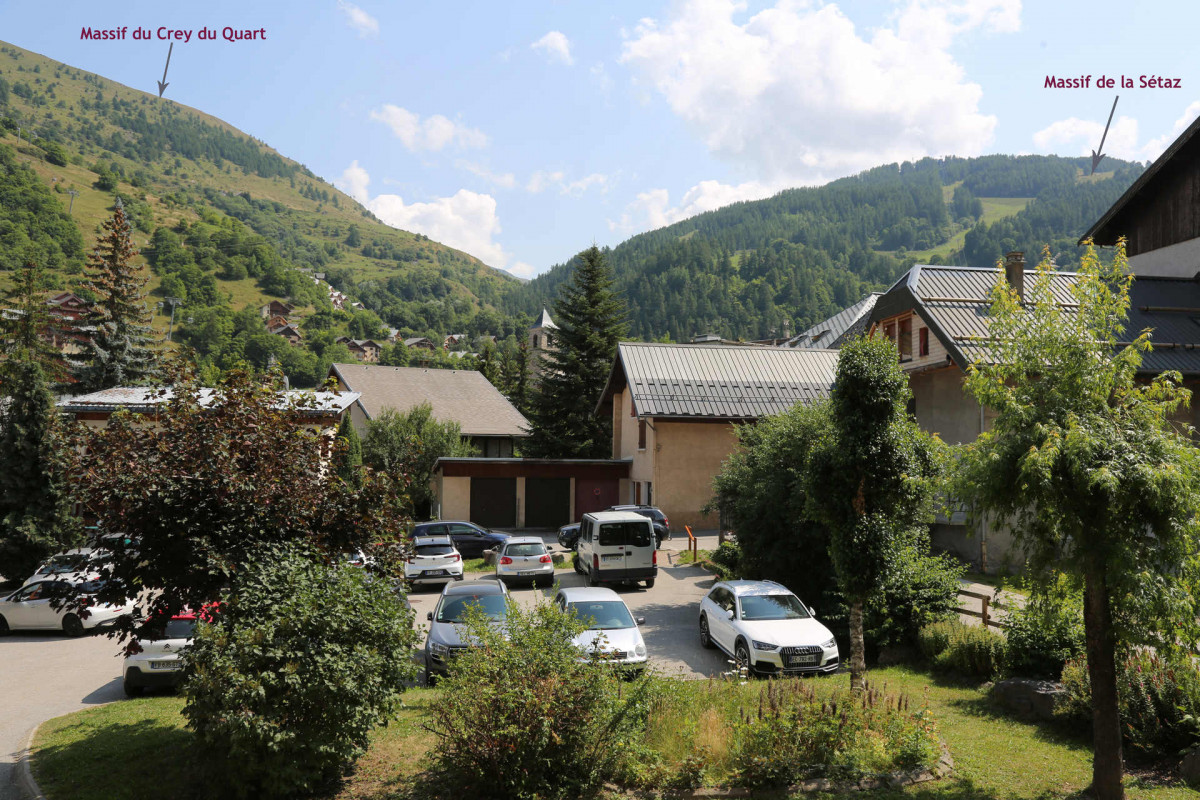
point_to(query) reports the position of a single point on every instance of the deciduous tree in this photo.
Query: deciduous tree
(409, 445)
(1089, 468)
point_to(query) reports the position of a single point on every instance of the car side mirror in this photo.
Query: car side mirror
(729, 613)
(640, 620)
(429, 616)
(812, 611)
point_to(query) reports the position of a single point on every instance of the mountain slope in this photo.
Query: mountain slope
(762, 268)
(247, 217)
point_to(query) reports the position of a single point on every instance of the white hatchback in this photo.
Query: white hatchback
(33, 607)
(766, 628)
(159, 663)
(434, 559)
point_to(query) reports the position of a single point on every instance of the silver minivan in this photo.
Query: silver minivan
(616, 546)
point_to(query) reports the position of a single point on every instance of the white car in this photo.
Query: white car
(612, 635)
(766, 628)
(159, 663)
(75, 566)
(30, 608)
(525, 558)
(434, 559)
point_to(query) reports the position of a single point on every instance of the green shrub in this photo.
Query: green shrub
(798, 735)
(1046, 632)
(969, 650)
(920, 589)
(728, 556)
(303, 660)
(1159, 701)
(522, 716)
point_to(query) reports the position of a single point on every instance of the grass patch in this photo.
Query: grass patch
(703, 559)
(118, 750)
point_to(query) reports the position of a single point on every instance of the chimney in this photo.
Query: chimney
(1014, 272)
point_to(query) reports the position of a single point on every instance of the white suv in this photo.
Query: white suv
(434, 559)
(766, 628)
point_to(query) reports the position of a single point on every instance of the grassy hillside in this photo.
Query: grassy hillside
(178, 168)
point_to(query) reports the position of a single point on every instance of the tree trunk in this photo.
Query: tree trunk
(1107, 764)
(858, 659)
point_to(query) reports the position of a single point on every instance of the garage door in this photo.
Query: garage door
(594, 494)
(494, 502)
(547, 502)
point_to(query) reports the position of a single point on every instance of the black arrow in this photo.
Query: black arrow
(162, 85)
(1098, 155)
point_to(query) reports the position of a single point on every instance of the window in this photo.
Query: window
(536, 341)
(616, 534)
(649, 494)
(905, 342)
(923, 345)
(525, 549)
(637, 492)
(641, 434)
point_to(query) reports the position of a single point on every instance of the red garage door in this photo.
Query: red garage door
(594, 494)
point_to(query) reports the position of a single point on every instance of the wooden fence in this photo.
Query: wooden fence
(985, 602)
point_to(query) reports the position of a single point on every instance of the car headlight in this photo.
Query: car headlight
(832, 643)
(439, 649)
(765, 646)
(640, 650)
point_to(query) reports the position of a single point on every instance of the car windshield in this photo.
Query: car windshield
(180, 629)
(65, 563)
(453, 608)
(603, 615)
(434, 549)
(773, 606)
(532, 549)
(614, 534)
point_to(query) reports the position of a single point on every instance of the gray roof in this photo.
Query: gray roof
(543, 321)
(148, 398)
(455, 395)
(954, 302)
(719, 382)
(832, 333)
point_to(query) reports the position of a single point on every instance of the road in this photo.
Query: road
(48, 675)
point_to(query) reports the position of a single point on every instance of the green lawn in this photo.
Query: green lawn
(136, 747)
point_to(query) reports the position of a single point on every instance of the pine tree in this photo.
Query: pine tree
(591, 321)
(34, 516)
(25, 325)
(121, 351)
(489, 363)
(348, 459)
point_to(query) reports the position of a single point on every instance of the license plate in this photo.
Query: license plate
(795, 661)
(528, 572)
(166, 665)
(612, 556)
(435, 572)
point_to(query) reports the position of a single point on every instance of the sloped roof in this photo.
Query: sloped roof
(954, 302)
(543, 321)
(719, 382)
(462, 396)
(147, 398)
(833, 332)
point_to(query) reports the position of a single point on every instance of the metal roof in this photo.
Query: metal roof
(954, 302)
(543, 321)
(717, 382)
(148, 398)
(833, 332)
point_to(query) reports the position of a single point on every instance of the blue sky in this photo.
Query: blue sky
(523, 132)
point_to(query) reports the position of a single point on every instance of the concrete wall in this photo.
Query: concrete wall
(1181, 260)
(454, 495)
(943, 406)
(687, 456)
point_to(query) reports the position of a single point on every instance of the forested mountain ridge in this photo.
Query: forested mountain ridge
(224, 221)
(759, 268)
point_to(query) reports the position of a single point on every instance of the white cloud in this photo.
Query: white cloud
(555, 46)
(1082, 136)
(361, 21)
(544, 179)
(795, 93)
(583, 184)
(652, 209)
(466, 220)
(431, 133)
(541, 180)
(522, 270)
(505, 180)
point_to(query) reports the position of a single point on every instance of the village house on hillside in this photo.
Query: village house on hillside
(362, 349)
(487, 419)
(276, 308)
(674, 407)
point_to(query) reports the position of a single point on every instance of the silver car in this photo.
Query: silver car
(447, 637)
(613, 635)
(525, 558)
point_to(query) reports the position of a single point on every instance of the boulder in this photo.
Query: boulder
(1032, 699)
(1189, 769)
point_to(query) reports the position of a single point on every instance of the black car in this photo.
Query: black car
(568, 535)
(662, 525)
(470, 539)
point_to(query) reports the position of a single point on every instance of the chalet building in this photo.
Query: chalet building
(289, 331)
(674, 409)
(362, 349)
(488, 421)
(276, 308)
(68, 307)
(420, 343)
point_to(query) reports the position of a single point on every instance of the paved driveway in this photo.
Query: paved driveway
(46, 675)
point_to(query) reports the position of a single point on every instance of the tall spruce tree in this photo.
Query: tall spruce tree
(591, 321)
(34, 512)
(348, 458)
(26, 327)
(121, 350)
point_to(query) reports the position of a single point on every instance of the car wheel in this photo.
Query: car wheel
(705, 637)
(72, 625)
(131, 688)
(4, 630)
(575, 563)
(741, 656)
(650, 583)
